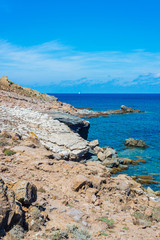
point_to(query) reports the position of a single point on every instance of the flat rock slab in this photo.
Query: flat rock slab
(76, 124)
(54, 135)
(76, 214)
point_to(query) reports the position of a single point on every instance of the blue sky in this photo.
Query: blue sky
(81, 46)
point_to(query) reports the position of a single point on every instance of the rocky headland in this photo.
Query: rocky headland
(54, 184)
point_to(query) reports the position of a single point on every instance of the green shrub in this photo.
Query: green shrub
(58, 235)
(10, 82)
(125, 228)
(79, 234)
(8, 152)
(69, 205)
(109, 222)
(103, 233)
(41, 189)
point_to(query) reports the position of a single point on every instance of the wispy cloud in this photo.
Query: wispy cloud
(53, 63)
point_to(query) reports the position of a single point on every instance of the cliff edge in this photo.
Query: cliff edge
(8, 85)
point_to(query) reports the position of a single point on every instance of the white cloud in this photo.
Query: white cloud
(54, 63)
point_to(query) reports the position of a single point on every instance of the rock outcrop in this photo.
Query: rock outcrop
(128, 109)
(12, 95)
(8, 206)
(15, 218)
(54, 135)
(79, 182)
(108, 156)
(8, 85)
(25, 192)
(85, 113)
(131, 142)
(11, 212)
(76, 199)
(76, 124)
(72, 193)
(93, 144)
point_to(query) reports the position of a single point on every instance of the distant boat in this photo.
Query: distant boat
(79, 93)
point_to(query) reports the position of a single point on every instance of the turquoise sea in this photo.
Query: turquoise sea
(113, 130)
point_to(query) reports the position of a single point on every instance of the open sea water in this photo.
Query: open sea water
(113, 130)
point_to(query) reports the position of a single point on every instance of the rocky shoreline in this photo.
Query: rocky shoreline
(12, 95)
(51, 188)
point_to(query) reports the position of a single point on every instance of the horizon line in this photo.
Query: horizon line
(103, 93)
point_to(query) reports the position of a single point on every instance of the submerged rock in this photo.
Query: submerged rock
(145, 176)
(146, 181)
(127, 161)
(110, 163)
(131, 142)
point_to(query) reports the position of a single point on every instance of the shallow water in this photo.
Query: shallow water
(113, 130)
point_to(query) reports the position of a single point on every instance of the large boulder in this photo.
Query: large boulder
(93, 144)
(25, 192)
(106, 153)
(110, 163)
(35, 219)
(4, 83)
(124, 108)
(10, 211)
(7, 205)
(101, 156)
(79, 181)
(131, 142)
(125, 182)
(110, 152)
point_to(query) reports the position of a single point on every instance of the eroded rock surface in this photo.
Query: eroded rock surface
(76, 124)
(25, 192)
(108, 156)
(11, 212)
(12, 95)
(54, 135)
(76, 194)
(131, 142)
(7, 205)
(8, 85)
(75, 200)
